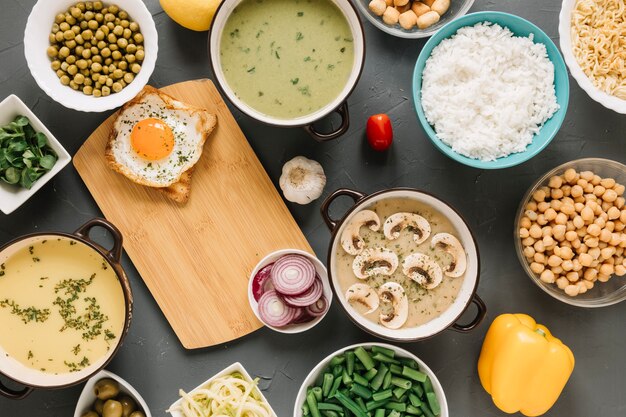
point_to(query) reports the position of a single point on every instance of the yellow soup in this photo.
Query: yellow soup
(287, 58)
(61, 306)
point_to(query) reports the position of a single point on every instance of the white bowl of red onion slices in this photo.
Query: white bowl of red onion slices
(289, 291)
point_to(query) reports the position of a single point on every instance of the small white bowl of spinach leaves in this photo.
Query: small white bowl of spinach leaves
(29, 154)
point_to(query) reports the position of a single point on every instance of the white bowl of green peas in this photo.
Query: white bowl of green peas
(371, 379)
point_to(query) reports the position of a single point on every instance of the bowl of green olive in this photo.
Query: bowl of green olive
(108, 395)
(91, 56)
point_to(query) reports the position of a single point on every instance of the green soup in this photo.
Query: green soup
(287, 58)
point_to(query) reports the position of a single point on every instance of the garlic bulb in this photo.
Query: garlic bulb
(302, 180)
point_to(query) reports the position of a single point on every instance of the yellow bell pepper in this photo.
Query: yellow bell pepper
(523, 366)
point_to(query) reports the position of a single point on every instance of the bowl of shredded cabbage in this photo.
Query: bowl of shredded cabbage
(231, 392)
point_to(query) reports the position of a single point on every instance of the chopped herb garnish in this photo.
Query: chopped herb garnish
(260, 93)
(26, 314)
(307, 58)
(276, 53)
(305, 91)
(300, 14)
(294, 81)
(299, 36)
(251, 70)
(77, 366)
(30, 354)
(331, 67)
(342, 50)
(76, 349)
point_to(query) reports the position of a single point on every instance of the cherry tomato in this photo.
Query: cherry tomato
(379, 132)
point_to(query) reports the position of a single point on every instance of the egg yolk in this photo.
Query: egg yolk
(152, 139)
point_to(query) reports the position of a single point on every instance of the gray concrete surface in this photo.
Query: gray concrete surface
(153, 360)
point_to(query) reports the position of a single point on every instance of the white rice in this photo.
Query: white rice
(487, 92)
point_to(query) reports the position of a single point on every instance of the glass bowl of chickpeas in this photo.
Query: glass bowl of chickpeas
(107, 395)
(570, 232)
(412, 19)
(91, 55)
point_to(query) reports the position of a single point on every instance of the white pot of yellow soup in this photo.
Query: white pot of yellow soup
(427, 311)
(288, 62)
(65, 307)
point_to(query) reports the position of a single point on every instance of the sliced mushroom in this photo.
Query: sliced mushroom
(364, 295)
(393, 293)
(374, 261)
(423, 270)
(351, 240)
(414, 222)
(450, 244)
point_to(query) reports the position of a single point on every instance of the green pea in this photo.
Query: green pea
(83, 25)
(65, 80)
(97, 92)
(118, 30)
(101, 45)
(128, 78)
(123, 65)
(140, 55)
(76, 30)
(99, 17)
(97, 58)
(96, 67)
(130, 58)
(60, 18)
(138, 37)
(94, 50)
(118, 73)
(108, 61)
(125, 24)
(93, 25)
(70, 59)
(76, 12)
(106, 91)
(81, 6)
(73, 85)
(64, 52)
(134, 26)
(79, 79)
(64, 66)
(112, 38)
(55, 65)
(72, 69)
(97, 5)
(71, 44)
(116, 55)
(79, 39)
(109, 83)
(135, 68)
(122, 43)
(60, 73)
(52, 51)
(63, 26)
(86, 53)
(109, 17)
(87, 34)
(70, 19)
(88, 90)
(116, 87)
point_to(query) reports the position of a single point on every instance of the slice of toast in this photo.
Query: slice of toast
(179, 187)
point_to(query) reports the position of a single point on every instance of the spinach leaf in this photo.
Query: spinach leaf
(25, 155)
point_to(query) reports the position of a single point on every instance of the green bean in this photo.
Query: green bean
(419, 390)
(361, 404)
(305, 409)
(395, 369)
(337, 371)
(387, 352)
(360, 380)
(399, 392)
(317, 391)
(380, 375)
(413, 410)
(350, 405)
(394, 413)
(401, 382)
(415, 401)
(358, 366)
(312, 402)
(426, 411)
(327, 384)
(373, 405)
(346, 378)
(337, 360)
(364, 357)
(409, 362)
(350, 362)
(428, 385)
(414, 374)
(334, 388)
(433, 403)
(382, 395)
(369, 375)
(380, 412)
(398, 406)
(387, 380)
(331, 413)
(361, 391)
(328, 406)
(380, 357)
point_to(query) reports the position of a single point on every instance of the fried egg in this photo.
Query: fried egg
(155, 138)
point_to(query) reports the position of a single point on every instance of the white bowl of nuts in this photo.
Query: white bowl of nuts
(90, 56)
(570, 232)
(412, 18)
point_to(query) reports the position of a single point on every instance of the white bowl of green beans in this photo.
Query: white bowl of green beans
(371, 379)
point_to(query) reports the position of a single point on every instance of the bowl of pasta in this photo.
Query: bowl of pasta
(591, 40)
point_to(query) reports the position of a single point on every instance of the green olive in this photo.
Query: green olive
(128, 405)
(90, 413)
(112, 408)
(137, 414)
(106, 388)
(97, 405)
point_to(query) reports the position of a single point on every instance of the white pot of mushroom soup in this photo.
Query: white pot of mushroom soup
(403, 264)
(288, 63)
(65, 307)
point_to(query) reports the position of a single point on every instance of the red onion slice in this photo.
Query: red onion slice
(302, 317)
(261, 283)
(293, 274)
(273, 310)
(308, 297)
(318, 308)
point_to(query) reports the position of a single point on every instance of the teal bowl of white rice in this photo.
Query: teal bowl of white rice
(490, 90)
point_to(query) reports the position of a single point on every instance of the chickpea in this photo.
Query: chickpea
(594, 230)
(619, 202)
(608, 252)
(537, 268)
(555, 182)
(529, 252)
(554, 260)
(541, 220)
(562, 282)
(548, 241)
(547, 276)
(619, 189)
(572, 290)
(571, 235)
(570, 175)
(603, 278)
(590, 274)
(576, 191)
(539, 196)
(561, 218)
(556, 194)
(567, 265)
(620, 270)
(572, 276)
(556, 270)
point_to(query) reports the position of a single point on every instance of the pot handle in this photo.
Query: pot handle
(14, 395)
(116, 252)
(330, 222)
(343, 128)
(480, 315)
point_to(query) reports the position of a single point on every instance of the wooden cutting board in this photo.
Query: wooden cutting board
(196, 258)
